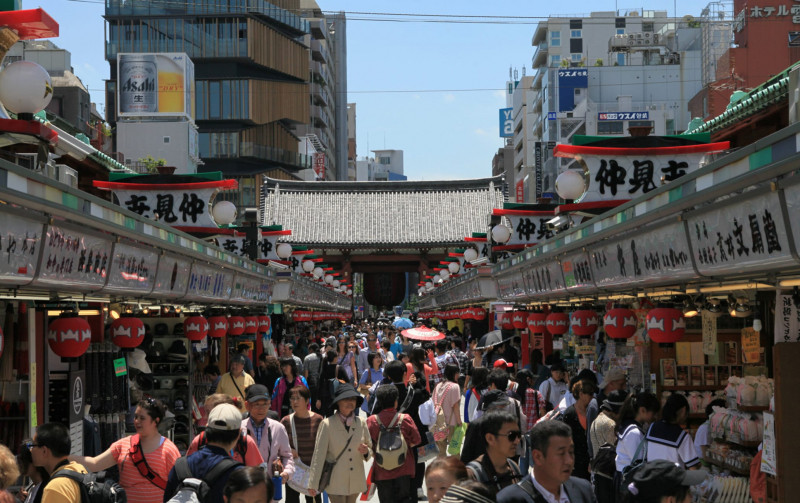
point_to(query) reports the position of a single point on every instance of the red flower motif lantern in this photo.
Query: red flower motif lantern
(557, 323)
(665, 325)
(218, 326)
(519, 319)
(251, 325)
(127, 332)
(264, 323)
(505, 321)
(69, 336)
(195, 328)
(584, 322)
(236, 325)
(480, 314)
(536, 323)
(620, 323)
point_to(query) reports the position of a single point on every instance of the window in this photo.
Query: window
(166, 139)
(555, 39)
(619, 22)
(609, 127)
(647, 27)
(575, 33)
(575, 24)
(385, 160)
(640, 123)
(621, 58)
(576, 57)
(555, 60)
(620, 31)
(576, 45)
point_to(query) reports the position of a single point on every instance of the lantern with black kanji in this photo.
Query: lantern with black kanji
(584, 322)
(236, 325)
(620, 323)
(557, 323)
(218, 326)
(127, 332)
(264, 323)
(251, 325)
(195, 328)
(519, 319)
(536, 323)
(665, 325)
(69, 336)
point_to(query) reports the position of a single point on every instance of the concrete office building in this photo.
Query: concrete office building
(386, 165)
(326, 127)
(600, 75)
(251, 73)
(351, 142)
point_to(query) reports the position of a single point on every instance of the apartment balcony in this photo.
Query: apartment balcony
(319, 51)
(540, 56)
(318, 28)
(320, 73)
(285, 158)
(320, 94)
(319, 116)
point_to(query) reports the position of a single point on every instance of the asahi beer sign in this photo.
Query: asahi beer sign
(155, 84)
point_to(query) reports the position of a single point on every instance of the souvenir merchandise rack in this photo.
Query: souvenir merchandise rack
(14, 375)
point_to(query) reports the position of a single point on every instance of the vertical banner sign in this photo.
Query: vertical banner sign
(751, 345)
(319, 165)
(769, 457)
(520, 190)
(506, 122)
(537, 168)
(709, 333)
(786, 319)
(77, 399)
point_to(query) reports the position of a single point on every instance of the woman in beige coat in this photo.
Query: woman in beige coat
(348, 479)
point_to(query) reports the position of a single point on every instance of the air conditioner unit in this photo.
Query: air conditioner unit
(26, 160)
(50, 171)
(67, 176)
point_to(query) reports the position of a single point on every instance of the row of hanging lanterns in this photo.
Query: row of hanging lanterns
(664, 324)
(309, 316)
(318, 273)
(467, 313)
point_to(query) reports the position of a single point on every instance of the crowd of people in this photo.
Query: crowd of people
(446, 421)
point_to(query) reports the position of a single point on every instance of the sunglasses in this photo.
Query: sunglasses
(512, 435)
(31, 445)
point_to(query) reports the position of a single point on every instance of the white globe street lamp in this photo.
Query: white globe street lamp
(25, 87)
(308, 266)
(470, 254)
(570, 184)
(501, 234)
(318, 272)
(328, 279)
(224, 212)
(284, 250)
(453, 267)
(445, 274)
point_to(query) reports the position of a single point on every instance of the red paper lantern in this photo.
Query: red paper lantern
(301, 316)
(536, 323)
(127, 332)
(264, 323)
(218, 326)
(236, 325)
(557, 323)
(505, 321)
(665, 325)
(69, 336)
(584, 322)
(195, 328)
(480, 314)
(519, 319)
(620, 323)
(251, 325)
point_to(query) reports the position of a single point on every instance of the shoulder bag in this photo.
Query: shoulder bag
(300, 480)
(327, 468)
(636, 464)
(440, 427)
(137, 456)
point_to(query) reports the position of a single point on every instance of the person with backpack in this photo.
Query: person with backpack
(144, 459)
(636, 413)
(212, 464)
(554, 388)
(603, 444)
(289, 379)
(50, 449)
(394, 435)
(246, 450)
(495, 468)
(551, 479)
(447, 398)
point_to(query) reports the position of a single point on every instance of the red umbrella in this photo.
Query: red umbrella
(423, 334)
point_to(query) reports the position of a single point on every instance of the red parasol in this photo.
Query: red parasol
(423, 334)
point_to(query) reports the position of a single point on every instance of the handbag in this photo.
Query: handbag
(604, 463)
(427, 451)
(454, 447)
(636, 464)
(301, 478)
(440, 428)
(327, 468)
(427, 412)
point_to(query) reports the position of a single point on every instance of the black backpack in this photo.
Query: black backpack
(192, 489)
(604, 463)
(95, 487)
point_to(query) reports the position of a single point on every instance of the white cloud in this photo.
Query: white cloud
(499, 94)
(481, 132)
(449, 98)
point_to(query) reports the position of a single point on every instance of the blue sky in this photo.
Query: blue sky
(444, 135)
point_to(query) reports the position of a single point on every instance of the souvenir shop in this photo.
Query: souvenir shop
(691, 288)
(102, 307)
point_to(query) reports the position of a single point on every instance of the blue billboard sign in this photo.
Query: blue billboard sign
(570, 79)
(506, 122)
(551, 116)
(623, 116)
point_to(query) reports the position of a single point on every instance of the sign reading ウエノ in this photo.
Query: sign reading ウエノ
(155, 85)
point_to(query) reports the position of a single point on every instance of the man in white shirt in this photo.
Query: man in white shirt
(552, 453)
(555, 388)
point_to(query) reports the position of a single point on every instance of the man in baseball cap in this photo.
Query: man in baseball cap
(222, 433)
(501, 363)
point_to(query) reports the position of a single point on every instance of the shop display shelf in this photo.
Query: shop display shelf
(726, 466)
(748, 444)
(753, 408)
